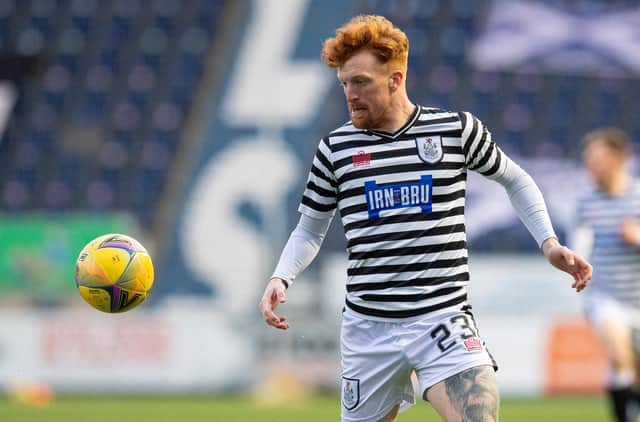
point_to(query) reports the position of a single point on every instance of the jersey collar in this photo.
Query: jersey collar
(388, 135)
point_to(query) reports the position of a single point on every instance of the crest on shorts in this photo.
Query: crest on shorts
(350, 392)
(430, 148)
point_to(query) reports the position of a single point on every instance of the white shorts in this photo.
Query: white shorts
(378, 359)
(601, 307)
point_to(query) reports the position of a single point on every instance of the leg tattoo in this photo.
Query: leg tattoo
(474, 394)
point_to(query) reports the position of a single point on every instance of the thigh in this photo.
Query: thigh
(469, 396)
(375, 372)
(392, 415)
(446, 345)
(617, 341)
(611, 323)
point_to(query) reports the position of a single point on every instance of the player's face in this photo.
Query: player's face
(366, 84)
(602, 163)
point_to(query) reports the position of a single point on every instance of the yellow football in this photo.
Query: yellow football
(114, 273)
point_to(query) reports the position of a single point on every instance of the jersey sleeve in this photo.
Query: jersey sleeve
(320, 195)
(480, 152)
(301, 248)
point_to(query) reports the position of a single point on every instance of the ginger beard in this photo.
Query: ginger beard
(364, 116)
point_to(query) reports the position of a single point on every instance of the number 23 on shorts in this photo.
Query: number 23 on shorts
(457, 327)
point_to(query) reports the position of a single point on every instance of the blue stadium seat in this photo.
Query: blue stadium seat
(27, 155)
(57, 195)
(99, 195)
(29, 41)
(16, 195)
(454, 41)
(194, 42)
(108, 57)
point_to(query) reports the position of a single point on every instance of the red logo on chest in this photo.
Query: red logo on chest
(361, 159)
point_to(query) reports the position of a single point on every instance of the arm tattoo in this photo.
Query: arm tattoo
(474, 394)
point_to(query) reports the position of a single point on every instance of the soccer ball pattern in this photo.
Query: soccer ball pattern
(114, 273)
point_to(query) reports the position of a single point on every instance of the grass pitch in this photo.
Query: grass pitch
(241, 409)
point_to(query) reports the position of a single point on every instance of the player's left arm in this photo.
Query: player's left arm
(485, 157)
(528, 202)
(568, 261)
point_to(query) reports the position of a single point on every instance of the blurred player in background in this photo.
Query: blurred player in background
(608, 230)
(396, 173)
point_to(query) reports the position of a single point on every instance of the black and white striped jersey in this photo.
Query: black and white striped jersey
(616, 264)
(401, 199)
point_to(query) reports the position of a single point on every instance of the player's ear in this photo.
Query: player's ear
(395, 80)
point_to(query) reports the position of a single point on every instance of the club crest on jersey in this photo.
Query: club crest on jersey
(350, 392)
(398, 195)
(430, 148)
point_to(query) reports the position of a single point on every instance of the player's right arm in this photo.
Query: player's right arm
(317, 207)
(301, 248)
(274, 294)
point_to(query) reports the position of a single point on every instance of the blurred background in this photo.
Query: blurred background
(191, 125)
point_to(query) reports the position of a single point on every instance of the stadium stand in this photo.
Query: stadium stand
(97, 129)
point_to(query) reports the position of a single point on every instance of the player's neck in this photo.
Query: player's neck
(401, 112)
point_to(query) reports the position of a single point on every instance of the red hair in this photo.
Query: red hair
(371, 32)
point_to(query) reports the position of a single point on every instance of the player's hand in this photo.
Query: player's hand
(274, 294)
(629, 231)
(568, 261)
